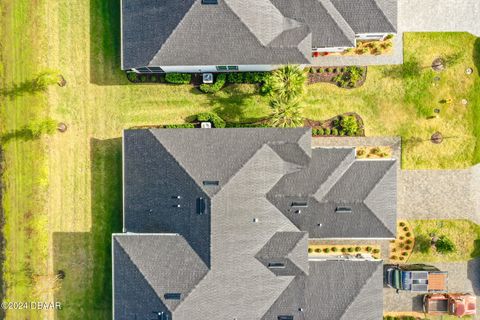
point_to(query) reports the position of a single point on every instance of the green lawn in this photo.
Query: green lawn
(463, 233)
(63, 193)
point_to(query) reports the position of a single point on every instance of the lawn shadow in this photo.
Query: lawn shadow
(235, 105)
(30, 86)
(85, 257)
(105, 63)
(476, 53)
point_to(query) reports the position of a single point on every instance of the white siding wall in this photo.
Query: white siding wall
(200, 69)
(338, 49)
(371, 36)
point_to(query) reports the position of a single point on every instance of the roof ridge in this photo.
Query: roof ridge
(384, 15)
(365, 201)
(140, 271)
(173, 31)
(338, 19)
(361, 289)
(296, 245)
(335, 176)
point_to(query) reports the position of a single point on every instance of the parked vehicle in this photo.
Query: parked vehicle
(456, 304)
(416, 277)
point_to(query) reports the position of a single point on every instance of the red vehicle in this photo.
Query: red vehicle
(455, 304)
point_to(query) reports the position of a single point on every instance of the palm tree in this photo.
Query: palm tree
(286, 114)
(287, 83)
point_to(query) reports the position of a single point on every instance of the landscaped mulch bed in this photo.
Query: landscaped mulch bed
(329, 123)
(327, 75)
(147, 78)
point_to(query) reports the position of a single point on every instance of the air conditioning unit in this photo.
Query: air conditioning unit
(207, 77)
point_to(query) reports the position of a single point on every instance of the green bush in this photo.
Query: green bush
(132, 76)
(402, 224)
(328, 70)
(357, 249)
(236, 77)
(311, 70)
(328, 131)
(375, 251)
(350, 249)
(317, 250)
(183, 125)
(255, 77)
(344, 249)
(214, 87)
(143, 78)
(153, 78)
(310, 250)
(444, 245)
(246, 125)
(334, 249)
(335, 131)
(349, 78)
(349, 125)
(326, 250)
(369, 249)
(216, 121)
(178, 78)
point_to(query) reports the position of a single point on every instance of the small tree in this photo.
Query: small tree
(286, 114)
(47, 78)
(45, 127)
(444, 245)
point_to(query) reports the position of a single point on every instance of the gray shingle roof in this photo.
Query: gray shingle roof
(334, 178)
(241, 232)
(369, 16)
(343, 290)
(173, 33)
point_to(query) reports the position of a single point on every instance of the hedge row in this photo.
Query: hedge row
(246, 77)
(216, 86)
(178, 78)
(216, 121)
(183, 125)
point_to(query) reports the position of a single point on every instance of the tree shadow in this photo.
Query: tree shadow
(85, 257)
(31, 86)
(473, 274)
(24, 134)
(476, 53)
(105, 63)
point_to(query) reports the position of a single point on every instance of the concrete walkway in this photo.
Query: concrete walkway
(439, 194)
(439, 15)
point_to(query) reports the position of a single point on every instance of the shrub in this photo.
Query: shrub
(401, 244)
(349, 78)
(401, 258)
(349, 124)
(357, 249)
(360, 152)
(321, 132)
(342, 133)
(335, 131)
(389, 36)
(178, 78)
(394, 250)
(422, 244)
(401, 237)
(214, 87)
(328, 70)
(311, 70)
(408, 241)
(334, 249)
(255, 77)
(350, 249)
(408, 234)
(393, 257)
(183, 125)
(402, 224)
(404, 253)
(216, 121)
(344, 249)
(369, 249)
(143, 78)
(310, 250)
(405, 229)
(132, 76)
(320, 70)
(444, 245)
(153, 78)
(327, 131)
(326, 250)
(408, 247)
(318, 250)
(236, 77)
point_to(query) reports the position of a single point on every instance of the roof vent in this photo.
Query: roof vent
(343, 210)
(172, 296)
(209, 2)
(276, 265)
(201, 205)
(211, 182)
(300, 204)
(285, 318)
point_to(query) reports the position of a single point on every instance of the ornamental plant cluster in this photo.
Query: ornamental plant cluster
(401, 248)
(350, 77)
(345, 125)
(178, 78)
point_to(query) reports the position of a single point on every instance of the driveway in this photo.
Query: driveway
(462, 277)
(439, 15)
(439, 194)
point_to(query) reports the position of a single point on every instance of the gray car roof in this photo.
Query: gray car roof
(233, 32)
(242, 238)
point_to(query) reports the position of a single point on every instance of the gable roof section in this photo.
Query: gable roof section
(195, 35)
(333, 290)
(334, 178)
(328, 27)
(369, 16)
(150, 267)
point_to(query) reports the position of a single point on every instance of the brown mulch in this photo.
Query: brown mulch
(329, 122)
(327, 77)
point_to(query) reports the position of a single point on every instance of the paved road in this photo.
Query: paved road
(439, 194)
(462, 277)
(439, 15)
